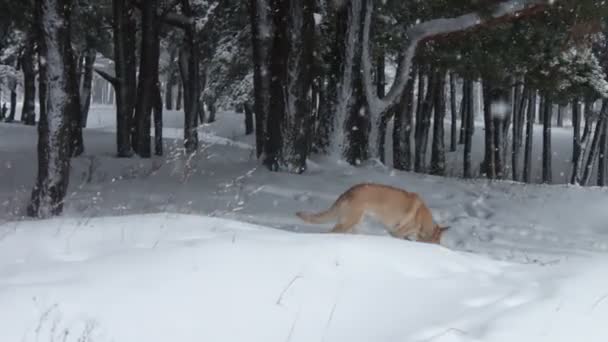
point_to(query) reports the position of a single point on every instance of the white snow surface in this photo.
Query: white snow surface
(208, 249)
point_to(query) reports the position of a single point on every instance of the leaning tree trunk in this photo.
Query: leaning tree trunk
(594, 149)
(547, 116)
(402, 128)
(438, 145)
(59, 103)
(28, 111)
(469, 122)
(148, 74)
(453, 113)
(602, 166)
(87, 83)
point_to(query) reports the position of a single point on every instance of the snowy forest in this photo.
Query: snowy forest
(316, 77)
(156, 157)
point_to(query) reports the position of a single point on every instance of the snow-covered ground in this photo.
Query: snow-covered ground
(208, 249)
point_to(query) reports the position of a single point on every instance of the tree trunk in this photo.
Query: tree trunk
(489, 162)
(352, 119)
(602, 166)
(248, 118)
(11, 115)
(576, 128)
(125, 70)
(560, 116)
(547, 116)
(380, 84)
(158, 123)
(518, 124)
(463, 116)
(454, 114)
(261, 28)
(28, 111)
(402, 128)
(59, 104)
(178, 102)
(531, 114)
(87, 83)
(148, 75)
(438, 145)
(422, 126)
(171, 80)
(594, 149)
(288, 121)
(468, 133)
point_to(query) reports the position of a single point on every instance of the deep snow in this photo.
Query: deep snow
(185, 249)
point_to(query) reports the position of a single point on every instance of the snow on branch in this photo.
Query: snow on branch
(427, 30)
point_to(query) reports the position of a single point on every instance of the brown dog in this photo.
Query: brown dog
(403, 213)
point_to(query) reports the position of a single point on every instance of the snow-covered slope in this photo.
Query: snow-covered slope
(208, 249)
(176, 277)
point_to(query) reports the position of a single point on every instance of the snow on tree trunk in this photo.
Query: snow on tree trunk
(530, 115)
(351, 121)
(291, 80)
(59, 104)
(417, 33)
(438, 145)
(87, 82)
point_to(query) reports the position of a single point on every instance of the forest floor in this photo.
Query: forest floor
(208, 248)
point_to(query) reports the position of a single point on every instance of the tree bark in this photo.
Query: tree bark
(171, 80)
(594, 149)
(87, 83)
(178, 101)
(402, 129)
(261, 28)
(489, 162)
(454, 113)
(518, 124)
(248, 118)
(380, 84)
(560, 116)
(28, 111)
(422, 126)
(158, 122)
(148, 76)
(547, 116)
(602, 166)
(125, 69)
(531, 114)
(438, 145)
(576, 130)
(468, 134)
(59, 104)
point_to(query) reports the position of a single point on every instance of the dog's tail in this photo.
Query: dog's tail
(322, 217)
